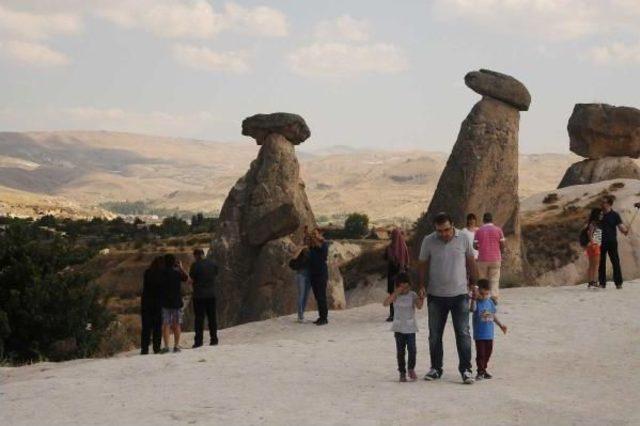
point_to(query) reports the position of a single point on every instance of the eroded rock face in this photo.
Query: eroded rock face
(261, 220)
(600, 130)
(291, 126)
(481, 176)
(499, 86)
(607, 168)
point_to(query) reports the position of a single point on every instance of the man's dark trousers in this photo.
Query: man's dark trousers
(201, 307)
(439, 308)
(151, 326)
(610, 247)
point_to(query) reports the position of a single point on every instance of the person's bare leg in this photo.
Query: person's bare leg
(176, 335)
(165, 335)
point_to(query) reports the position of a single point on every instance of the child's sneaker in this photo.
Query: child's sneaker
(403, 377)
(486, 375)
(177, 349)
(479, 376)
(412, 375)
(164, 350)
(433, 374)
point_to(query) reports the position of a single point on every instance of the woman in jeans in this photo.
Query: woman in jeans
(300, 264)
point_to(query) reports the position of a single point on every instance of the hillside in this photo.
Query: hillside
(279, 372)
(91, 168)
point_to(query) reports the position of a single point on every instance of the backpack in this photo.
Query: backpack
(584, 237)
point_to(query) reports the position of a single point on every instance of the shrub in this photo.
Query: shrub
(550, 198)
(47, 309)
(356, 225)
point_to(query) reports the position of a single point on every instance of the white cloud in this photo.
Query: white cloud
(552, 20)
(32, 53)
(616, 54)
(344, 60)
(206, 59)
(343, 28)
(193, 19)
(259, 21)
(36, 26)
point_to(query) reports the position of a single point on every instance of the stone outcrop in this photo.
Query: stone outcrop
(481, 174)
(609, 138)
(261, 222)
(291, 126)
(607, 168)
(499, 86)
(600, 130)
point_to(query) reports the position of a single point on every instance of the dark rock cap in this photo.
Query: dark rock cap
(291, 126)
(601, 130)
(499, 86)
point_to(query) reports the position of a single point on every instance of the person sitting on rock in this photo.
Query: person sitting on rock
(173, 277)
(397, 257)
(594, 234)
(319, 274)
(610, 223)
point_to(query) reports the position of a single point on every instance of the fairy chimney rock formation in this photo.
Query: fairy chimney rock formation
(261, 221)
(481, 174)
(609, 138)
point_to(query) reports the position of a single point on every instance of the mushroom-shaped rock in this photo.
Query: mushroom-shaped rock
(499, 86)
(291, 126)
(600, 130)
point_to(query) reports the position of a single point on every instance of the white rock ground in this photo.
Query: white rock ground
(572, 356)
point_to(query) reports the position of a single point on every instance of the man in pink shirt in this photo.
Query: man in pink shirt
(489, 241)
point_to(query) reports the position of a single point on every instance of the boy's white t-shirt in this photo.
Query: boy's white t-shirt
(404, 318)
(471, 236)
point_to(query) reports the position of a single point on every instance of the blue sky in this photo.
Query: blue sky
(376, 74)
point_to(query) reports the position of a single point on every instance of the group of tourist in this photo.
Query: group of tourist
(310, 265)
(461, 269)
(600, 236)
(161, 301)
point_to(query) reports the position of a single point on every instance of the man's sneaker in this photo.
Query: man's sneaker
(389, 319)
(619, 286)
(479, 376)
(164, 350)
(403, 377)
(214, 342)
(486, 375)
(196, 345)
(412, 375)
(433, 374)
(602, 286)
(144, 352)
(177, 349)
(467, 377)
(321, 322)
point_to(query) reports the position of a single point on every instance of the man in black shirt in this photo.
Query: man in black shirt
(611, 222)
(203, 274)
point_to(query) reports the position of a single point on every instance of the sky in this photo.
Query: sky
(363, 73)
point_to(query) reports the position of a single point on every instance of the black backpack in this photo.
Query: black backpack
(584, 237)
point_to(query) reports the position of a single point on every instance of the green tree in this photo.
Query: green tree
(44, 300)
(356, 225)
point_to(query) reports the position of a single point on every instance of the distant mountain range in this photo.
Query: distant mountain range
(83, 173)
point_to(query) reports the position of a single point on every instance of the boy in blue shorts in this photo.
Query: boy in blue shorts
(484, 315)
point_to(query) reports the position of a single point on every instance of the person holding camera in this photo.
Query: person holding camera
(319, 274)
(173, 276)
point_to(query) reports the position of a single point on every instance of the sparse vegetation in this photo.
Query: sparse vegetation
(356, 225)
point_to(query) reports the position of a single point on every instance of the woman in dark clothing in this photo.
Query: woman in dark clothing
(397, 257)
(319, 274)
(151, 307)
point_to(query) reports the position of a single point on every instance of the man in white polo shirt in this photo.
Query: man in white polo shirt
(447, 262)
